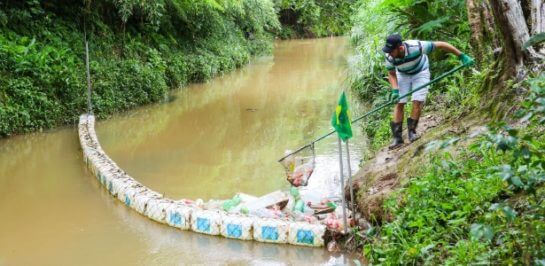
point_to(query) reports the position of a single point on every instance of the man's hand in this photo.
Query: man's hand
(466, 60)
(394, 96)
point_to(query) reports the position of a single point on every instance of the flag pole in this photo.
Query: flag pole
(342, 182)
(350, 180)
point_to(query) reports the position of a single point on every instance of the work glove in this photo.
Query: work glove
(466, 60)
(394, 96)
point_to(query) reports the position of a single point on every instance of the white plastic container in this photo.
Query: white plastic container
(116, 185)
(306, 234)
(270, 230)
(179, 215)
(156, 209)
(126, 195)
(236, 226)
(141, 200)
(206, 222)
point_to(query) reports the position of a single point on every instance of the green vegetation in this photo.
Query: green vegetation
(138, 51)
(479, 199)
(479, 205)
(374, 20)
(314, 18)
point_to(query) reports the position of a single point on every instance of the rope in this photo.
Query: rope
(380, 107)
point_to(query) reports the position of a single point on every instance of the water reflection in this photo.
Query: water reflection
(225, 136)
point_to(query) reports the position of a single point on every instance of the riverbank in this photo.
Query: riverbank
(139, 51)
(137, 55)
(469, 190)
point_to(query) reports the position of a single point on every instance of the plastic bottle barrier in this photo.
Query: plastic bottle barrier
(235, 226)
(141, 200)
(306, 234)
(270, 230)
(183, 215)
(206, 222)
(179, 216)
(157, 209)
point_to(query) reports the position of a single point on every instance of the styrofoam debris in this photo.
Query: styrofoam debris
(266, 200)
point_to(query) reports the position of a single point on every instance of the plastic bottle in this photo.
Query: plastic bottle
(299, 206)
(230, 204)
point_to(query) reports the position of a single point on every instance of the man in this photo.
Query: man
(408, 68)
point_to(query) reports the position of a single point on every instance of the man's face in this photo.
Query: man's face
(398, 52)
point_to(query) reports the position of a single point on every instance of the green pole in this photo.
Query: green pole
(382, 106)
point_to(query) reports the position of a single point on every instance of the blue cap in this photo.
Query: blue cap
(392, 42)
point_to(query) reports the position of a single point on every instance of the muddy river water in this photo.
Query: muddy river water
(211, 141)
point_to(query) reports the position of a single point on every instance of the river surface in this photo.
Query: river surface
(211, 141)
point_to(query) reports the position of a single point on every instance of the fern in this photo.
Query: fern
(432, 25)
(538, 38)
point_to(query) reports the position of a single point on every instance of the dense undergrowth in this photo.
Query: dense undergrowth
(479, 199)
(314, 18)
(138, 51)
(481, 203)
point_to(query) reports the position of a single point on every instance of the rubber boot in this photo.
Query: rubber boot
(397, 134)
(411, 129)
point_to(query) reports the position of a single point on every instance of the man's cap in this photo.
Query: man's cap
(392, 42)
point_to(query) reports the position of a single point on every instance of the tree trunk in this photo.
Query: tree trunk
(511, 21)
(483, 33)
(474, 18)
(537, 16)
(537, 20)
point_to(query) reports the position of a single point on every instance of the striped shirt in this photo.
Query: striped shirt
(415, 59)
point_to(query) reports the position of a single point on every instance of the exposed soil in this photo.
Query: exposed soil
(388, 170)
(381, 175)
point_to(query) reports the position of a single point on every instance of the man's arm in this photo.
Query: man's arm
(392, 77)
(447, 47)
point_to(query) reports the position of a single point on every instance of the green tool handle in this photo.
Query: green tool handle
(382, 106)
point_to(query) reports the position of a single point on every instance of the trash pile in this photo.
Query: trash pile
(295, 216)
(283, 205)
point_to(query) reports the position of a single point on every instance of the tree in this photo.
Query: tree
(504, 26)
(511, 16)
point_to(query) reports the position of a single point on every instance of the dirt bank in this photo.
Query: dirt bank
(389, 170)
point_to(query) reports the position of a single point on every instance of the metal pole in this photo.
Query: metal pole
(342, 183)
(350, 180)
(89, 106)
(386, 104)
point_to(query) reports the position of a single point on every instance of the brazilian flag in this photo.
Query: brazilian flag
(341, 119)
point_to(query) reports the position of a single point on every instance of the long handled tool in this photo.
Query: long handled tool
(378, 108)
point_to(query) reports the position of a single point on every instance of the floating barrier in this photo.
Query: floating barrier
(306, 234)
(271, 230)
(206, 222)
(186, 214)
(157, 209)
(142, 199)
(179, 216)
(238, 227)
